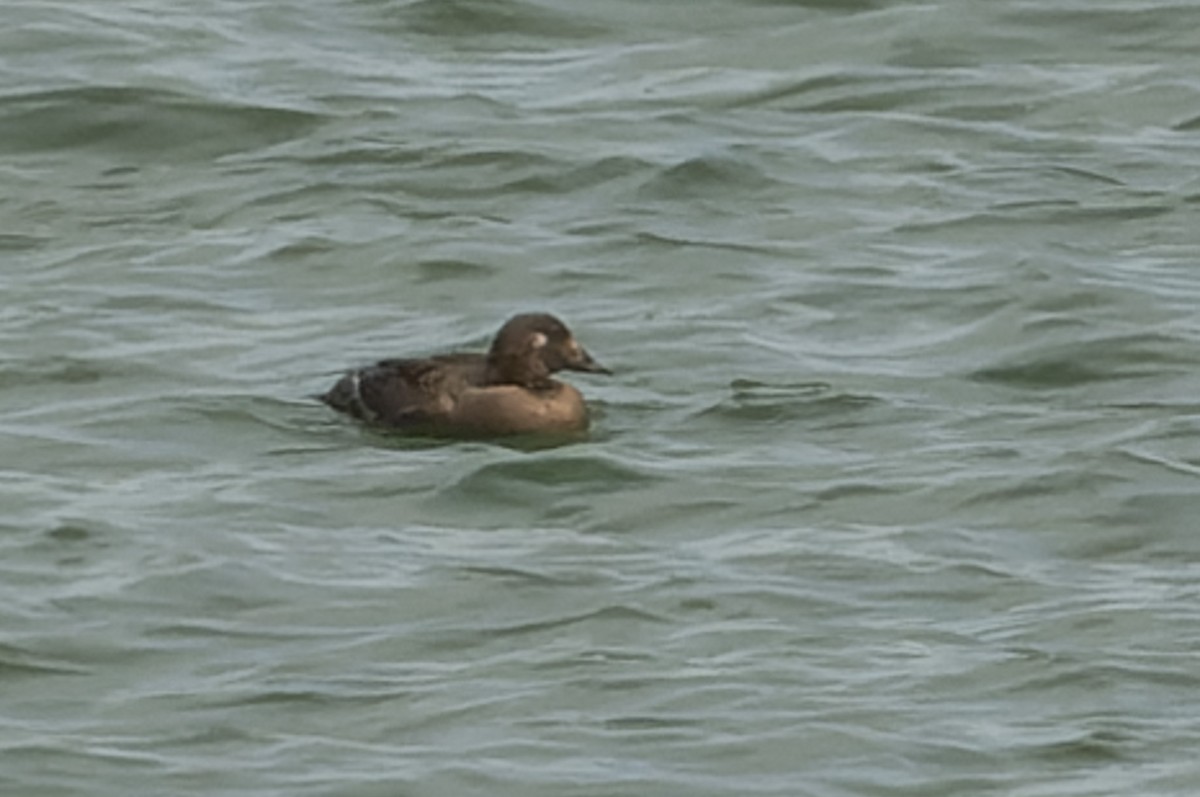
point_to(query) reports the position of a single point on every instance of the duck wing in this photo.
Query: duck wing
(406, 392)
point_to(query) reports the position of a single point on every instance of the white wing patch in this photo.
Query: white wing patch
(365, 412)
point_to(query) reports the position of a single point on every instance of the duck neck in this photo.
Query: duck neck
(527, 372)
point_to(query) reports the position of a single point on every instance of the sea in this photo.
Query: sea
(894, 490)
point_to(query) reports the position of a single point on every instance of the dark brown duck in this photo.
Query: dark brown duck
(510, 390)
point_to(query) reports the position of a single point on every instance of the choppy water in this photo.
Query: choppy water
(894, 491)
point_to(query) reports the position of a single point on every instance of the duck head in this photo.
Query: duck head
(532, 346)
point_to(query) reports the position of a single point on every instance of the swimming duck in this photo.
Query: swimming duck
(507, 391)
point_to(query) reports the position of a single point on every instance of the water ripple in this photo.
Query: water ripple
(134, 121)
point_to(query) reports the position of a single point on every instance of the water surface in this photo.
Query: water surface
(894, 491)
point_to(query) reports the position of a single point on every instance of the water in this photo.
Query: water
(893, 492)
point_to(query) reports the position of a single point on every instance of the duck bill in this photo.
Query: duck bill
(584, 362)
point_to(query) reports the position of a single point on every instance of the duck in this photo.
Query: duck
(509, 390)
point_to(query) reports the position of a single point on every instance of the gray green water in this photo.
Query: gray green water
(894, 492)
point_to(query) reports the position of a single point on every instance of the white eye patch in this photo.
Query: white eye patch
(538, 340)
